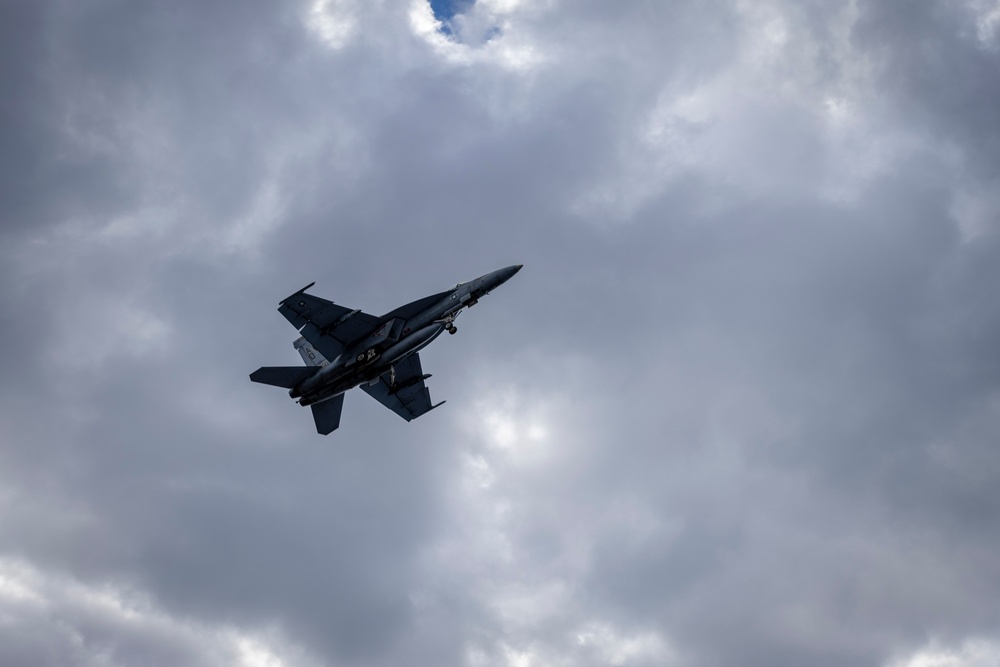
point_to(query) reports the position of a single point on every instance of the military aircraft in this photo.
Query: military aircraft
(345, 348)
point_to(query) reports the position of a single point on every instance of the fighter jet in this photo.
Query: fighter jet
(344, 348)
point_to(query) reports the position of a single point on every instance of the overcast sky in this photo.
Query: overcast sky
(740, 407)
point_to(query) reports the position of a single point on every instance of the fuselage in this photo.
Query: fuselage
(394, 340)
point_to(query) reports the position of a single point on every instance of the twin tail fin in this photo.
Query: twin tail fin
(326, 414)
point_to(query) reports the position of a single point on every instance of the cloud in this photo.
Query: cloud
(740, 406)
(59, 620)
(970, 654)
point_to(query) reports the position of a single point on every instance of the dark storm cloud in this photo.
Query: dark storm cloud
(739, 407)
(864, 404)
(40, 179)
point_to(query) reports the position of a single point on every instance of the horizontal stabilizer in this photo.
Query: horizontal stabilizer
(283, 376)
(327, 414)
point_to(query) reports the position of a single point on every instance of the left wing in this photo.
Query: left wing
(328, 326)
(409, 398)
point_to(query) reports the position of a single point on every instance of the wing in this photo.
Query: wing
(410, 398)
(326, 325)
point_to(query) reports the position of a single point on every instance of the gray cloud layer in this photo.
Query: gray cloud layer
(740, 407)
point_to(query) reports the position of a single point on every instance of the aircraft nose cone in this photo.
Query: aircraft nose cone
(504, 275)
(511, 270)
(493, 280)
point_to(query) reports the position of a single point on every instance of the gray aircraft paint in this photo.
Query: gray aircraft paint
(343, 349)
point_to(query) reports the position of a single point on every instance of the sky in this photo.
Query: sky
(741, 406)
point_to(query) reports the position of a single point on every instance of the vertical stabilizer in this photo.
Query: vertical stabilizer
(309, 354)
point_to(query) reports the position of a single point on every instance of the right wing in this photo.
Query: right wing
(329, 327)
(409, 398)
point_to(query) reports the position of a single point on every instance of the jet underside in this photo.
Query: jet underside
(344, 348)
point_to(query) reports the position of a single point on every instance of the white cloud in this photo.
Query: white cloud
(986, 14)
(971, 653)
(510, 48)
(103, 624)
(615, 648)
(742, 127)
(333, 21)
